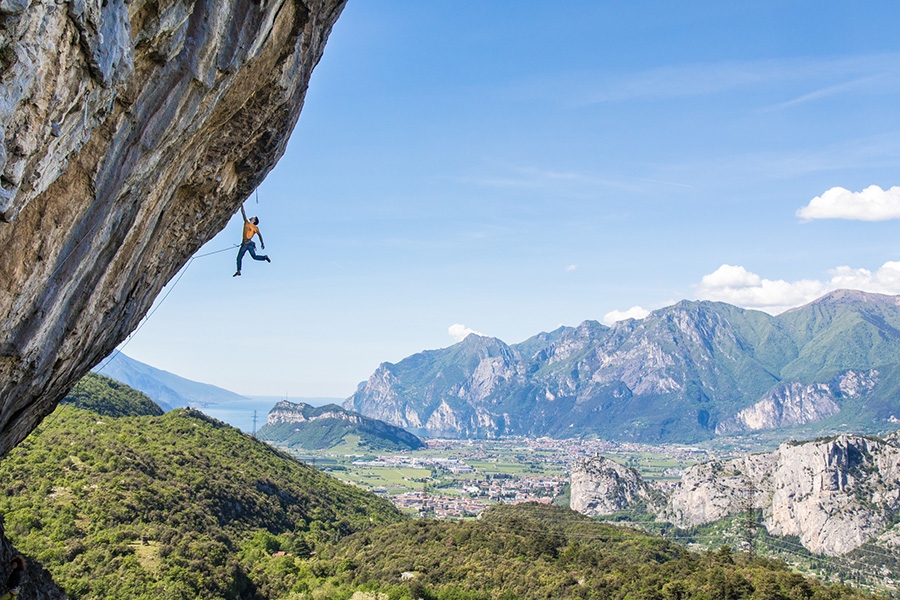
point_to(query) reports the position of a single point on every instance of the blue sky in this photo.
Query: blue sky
(509, 167)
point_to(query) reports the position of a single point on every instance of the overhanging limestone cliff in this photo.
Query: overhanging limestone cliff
(130, 132)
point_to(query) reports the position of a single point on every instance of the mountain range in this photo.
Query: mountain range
(692, 371)
(165, 388)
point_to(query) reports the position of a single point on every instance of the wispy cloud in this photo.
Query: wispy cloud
(871, 204)
(736, 285)
(459, 332)
(674, 82)
(853, 73)
(880, 150)
(508, 176)
(825, 92)
(684, 185)
(571, 268)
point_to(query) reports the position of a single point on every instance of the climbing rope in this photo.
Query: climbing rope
(160, 303)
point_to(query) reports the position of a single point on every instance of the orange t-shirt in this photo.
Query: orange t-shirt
(249, 230)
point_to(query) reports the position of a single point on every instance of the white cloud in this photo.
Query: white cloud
(738, 286)
(871, 204)
(635, 312)
(728, 276)
(571, 267)
(459, 332)
(886, 280)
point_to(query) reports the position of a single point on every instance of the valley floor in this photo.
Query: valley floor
(460, 478)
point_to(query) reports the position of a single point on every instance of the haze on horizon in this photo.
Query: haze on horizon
(507, 168)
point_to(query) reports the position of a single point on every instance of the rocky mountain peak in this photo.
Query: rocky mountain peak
(684, 373)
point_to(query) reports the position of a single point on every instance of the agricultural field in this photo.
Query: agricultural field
(459, 478)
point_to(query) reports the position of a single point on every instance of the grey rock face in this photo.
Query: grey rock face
(129, 133)
(784, 405)
(834, 495)
(600, 486)
(448, 400)
(289, 412)
(717, 489)
(794, 403)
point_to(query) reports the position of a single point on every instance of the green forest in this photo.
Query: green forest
(110, 398)
(167, 506)
(183, 506)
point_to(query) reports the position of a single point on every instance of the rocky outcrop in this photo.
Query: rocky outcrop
(834, 495)
(600, 486)
(37, 584)
(129, 133)
(783, 406)
(717, 489)
(315, 427)
(291, 412)
(789, 404)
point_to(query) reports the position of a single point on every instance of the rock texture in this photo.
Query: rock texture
(600, 486)
(834, 494)
(794, 403)
(717, 489)
(129, 133)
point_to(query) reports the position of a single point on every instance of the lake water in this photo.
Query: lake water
(240, 414)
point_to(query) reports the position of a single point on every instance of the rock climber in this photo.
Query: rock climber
(15, 578)
(247, 243)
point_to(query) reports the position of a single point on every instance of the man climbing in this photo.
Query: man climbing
(247, 243)
(15, 578)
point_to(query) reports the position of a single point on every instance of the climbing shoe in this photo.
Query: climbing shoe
(238, 274)
(268, 260)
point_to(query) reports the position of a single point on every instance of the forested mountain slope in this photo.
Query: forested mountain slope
(533, 551)
(299, 425)
(171, 506)
(110, 398)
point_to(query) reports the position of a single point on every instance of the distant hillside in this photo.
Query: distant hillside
(110, 398)
(166, 389)
(171, 506)
(317, 428)
(685, 373)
